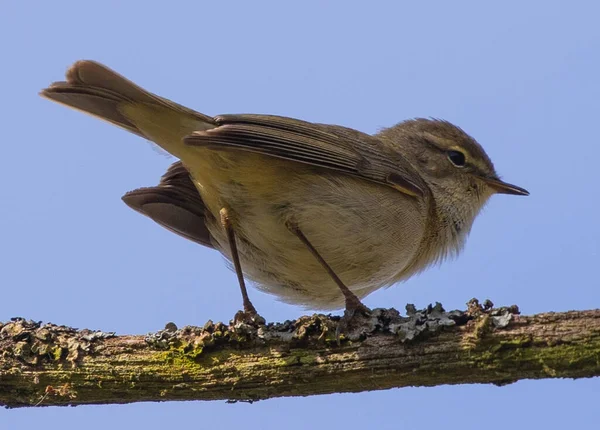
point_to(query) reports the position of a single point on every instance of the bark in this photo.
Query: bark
(45, 364)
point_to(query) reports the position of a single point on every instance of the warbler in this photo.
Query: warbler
(318, 215)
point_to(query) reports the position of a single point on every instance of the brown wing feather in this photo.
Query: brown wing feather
(331, 147)
(174, 204)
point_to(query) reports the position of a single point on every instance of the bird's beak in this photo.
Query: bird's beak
(505, 188)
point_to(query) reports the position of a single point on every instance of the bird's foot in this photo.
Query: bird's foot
(248, 316)
(355, 316)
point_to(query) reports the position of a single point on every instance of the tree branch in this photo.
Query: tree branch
(45, 364)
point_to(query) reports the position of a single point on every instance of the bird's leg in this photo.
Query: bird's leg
(249, 308)
(353, 303)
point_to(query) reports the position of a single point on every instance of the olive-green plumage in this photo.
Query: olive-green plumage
(377, 208)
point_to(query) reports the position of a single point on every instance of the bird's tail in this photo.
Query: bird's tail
(99, 91)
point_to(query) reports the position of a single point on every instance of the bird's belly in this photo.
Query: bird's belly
(366, 232)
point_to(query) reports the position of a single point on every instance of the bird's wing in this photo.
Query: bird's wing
(175, 204)
(326, 146)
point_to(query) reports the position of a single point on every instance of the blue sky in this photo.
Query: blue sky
(521, 77)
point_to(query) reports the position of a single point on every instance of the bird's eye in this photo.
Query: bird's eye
(457, 158)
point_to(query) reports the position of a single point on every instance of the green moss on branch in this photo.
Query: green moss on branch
(46, 364)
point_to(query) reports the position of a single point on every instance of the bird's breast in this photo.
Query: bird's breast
(365, 231)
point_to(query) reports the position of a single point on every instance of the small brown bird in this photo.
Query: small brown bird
(318, 215)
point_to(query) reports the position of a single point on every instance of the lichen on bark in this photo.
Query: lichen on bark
(47, 364)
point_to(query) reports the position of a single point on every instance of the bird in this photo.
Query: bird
(318, 215)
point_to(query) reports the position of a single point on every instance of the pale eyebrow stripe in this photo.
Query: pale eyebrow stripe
(446, 144)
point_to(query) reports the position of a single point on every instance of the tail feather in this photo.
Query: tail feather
(88, 101)
(175, 202)
(97, 90)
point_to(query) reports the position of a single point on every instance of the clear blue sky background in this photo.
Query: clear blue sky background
(521, 77)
